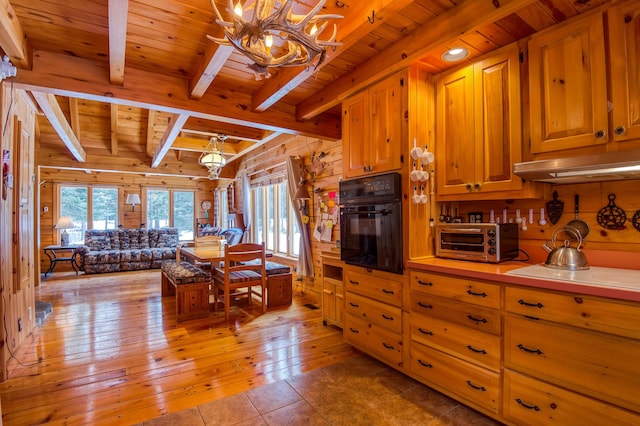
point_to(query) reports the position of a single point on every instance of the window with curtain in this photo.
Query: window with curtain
(89, 207)
(223, 206)
(171, 208)
(273, 220)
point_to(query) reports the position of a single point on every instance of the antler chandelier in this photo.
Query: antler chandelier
(212, 157)
(297, 36)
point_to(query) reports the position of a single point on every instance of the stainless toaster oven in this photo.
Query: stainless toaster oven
(480, 242)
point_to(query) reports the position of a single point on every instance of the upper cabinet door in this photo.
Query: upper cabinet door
(385, 103)
(498, 121)
(455, 153)
(355, 128)
(568, 86)
(624, 38)
(372, 129)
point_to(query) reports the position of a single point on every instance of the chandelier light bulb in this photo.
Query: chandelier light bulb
(238, 9)
(314, 30)
(268, 40)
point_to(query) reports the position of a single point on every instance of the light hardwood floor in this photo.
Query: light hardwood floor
(112, 353)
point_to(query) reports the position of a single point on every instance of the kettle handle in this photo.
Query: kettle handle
(569, 230)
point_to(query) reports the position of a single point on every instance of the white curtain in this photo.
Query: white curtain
(246, 203)
(296, 179)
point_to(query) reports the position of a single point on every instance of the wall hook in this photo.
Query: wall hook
(372, 18)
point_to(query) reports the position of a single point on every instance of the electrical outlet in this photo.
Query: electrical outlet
(19, 324)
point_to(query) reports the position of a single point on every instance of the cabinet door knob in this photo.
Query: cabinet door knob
(600, 134)
(468, 186)
(476, 185)
(619, 130)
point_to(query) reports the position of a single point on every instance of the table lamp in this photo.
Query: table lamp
(64, 223)
(133, 199)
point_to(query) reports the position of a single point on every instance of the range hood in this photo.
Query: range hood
(588, 168)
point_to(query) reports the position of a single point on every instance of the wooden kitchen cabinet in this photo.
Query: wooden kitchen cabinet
(624, 44)
(568, 86)
(332, 289)
(373, 320)
(599, 365)
(527, 401)
(372, 128)
(455, 336)
(479, 131)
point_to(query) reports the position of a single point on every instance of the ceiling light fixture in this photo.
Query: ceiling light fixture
(455, 54)
(274, 36)
(212, 157)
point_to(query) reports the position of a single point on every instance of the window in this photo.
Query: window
(171, 208)
(89, 207)
(274, 221)
(223, 209)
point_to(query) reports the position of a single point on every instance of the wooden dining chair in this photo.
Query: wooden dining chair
(235, 278)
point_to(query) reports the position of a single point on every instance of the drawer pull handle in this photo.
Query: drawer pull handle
(533, 305)
(427, 283)
(355, 305)
(354, 330)
(354, 282)
(530, 407)
(482, 320)
(478, 351)
(483, 294)
(387, 346)
(531, 351)
(425, 306)
(424, 364)
(384, 290)
(423, 331)
(387, 317)
(480, 388)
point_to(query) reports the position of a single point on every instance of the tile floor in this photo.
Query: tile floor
(358, 391)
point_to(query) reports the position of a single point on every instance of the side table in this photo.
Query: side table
(58, 253)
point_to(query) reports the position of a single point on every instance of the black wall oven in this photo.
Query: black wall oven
(371, 222)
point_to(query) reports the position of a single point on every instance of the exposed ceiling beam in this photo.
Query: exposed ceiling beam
(199, 126)
(114, 129)
(198, 145)
(86, 79)
(117, 39)
(175, 126)
(213, 61)
(463, 18)
(355, 25)
(13, 40)
(51, 109)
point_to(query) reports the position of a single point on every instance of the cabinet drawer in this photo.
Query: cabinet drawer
(611, 316)
(601, 365)
(473, 383)
(468, 315)
(379, 288)
(374, 340)
(471, 345)
(527, 401)
(467, 290)
(375, 312)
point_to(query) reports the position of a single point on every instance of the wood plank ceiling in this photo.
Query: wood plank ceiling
(137, 86)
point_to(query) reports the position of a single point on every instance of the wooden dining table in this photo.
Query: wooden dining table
(202, 254)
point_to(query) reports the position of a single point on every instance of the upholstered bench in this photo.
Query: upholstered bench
(190, 285)
(279, 284)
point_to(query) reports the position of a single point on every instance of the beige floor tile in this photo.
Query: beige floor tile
(228, 411)
(190, 417)
(273, 396)
(298, 413)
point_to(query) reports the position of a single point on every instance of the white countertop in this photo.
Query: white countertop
(627, 279)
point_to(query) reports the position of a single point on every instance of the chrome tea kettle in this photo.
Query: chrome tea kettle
(565, 256)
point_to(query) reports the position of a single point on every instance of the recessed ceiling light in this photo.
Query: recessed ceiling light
(455, 54)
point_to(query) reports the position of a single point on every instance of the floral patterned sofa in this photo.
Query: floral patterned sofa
(126, 249)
